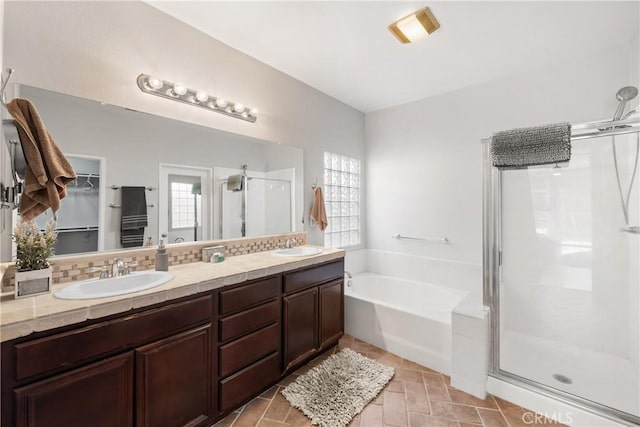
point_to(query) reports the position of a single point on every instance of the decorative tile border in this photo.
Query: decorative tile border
(78, 267)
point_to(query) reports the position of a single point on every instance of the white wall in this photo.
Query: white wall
(96, 50)
(423, 159)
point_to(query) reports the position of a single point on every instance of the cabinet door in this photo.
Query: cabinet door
(173, 380)
(300, 326)
(100, 394)
(331, 312)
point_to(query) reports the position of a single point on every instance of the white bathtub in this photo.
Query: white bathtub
(409, 318)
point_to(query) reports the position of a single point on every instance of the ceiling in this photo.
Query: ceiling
(345, 50)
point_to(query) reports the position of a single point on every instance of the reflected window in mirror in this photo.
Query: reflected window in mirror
(185, 213)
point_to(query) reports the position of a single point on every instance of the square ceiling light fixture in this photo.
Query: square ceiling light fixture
(415, 26)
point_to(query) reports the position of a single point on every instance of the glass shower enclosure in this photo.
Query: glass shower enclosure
(267, 208)
(562, 274)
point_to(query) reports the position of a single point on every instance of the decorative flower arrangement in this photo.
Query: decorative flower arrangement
(34, 247)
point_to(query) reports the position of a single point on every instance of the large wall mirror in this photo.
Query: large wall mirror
(200, 183)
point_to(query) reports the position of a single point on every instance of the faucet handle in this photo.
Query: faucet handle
(126, 271)
(104, 271)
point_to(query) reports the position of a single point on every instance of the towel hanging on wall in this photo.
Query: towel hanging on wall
(134, 216)
(234, 183)
(48, 171)
(318, 212)
(531, 146)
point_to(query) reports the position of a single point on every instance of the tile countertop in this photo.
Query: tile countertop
(23, 316)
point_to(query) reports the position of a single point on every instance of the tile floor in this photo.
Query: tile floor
(415, 397)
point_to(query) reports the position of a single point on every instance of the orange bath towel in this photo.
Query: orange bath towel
(318, 213)
(48, 170)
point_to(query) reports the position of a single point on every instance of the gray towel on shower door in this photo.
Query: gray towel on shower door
(234, 183)
(531, 146)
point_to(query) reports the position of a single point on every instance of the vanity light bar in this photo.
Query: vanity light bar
(179, 92)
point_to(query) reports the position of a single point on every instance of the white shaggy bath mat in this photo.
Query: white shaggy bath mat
(335, 391)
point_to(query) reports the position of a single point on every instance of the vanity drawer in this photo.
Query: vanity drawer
(244, 384)
(248, 295)
(239, 324)
(243, 352)
(78, 345)
(312, 276)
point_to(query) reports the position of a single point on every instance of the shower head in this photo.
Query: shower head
(625, 94)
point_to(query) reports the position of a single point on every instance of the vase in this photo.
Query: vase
(33, 282)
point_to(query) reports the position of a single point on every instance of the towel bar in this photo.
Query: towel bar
(117, 187)
(111, 205)
(442, 240)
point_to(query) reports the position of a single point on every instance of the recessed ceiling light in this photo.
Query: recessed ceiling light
(415, 26)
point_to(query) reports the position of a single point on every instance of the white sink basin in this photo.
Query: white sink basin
(298, 251)
(100, 288)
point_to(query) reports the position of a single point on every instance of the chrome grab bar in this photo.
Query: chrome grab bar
(442, 240)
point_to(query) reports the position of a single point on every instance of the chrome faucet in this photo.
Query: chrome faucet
(117, 268)
(121, 268)
(104, 271)
(349, 277)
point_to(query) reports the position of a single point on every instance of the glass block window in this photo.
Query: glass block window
(342, 200)
(184, 205)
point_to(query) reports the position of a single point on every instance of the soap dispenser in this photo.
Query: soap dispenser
(162, 257)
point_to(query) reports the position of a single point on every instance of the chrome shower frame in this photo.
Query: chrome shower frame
(492, 260)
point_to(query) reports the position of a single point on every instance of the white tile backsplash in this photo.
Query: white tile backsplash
(356, 261)
(454, 274)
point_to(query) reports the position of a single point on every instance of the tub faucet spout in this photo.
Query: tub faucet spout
(349, 275)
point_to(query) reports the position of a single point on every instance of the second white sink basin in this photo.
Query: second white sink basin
(297, 251)
(100, 288)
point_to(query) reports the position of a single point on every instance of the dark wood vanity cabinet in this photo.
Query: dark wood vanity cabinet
(100, 395)
(313, 311)
(149, 368)
(174, 380)
(249, 336)
(300, 326)
(181, 363)
(331, 312)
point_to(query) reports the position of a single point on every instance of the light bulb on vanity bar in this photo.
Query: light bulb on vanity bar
(154, 83)
(202, 96)
(179, 89)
